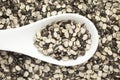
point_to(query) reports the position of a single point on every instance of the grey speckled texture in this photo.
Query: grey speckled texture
(104, 65)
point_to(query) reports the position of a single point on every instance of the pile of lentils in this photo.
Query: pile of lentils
(104, 65)
(63, 40)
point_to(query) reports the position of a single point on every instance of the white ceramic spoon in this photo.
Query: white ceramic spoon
(21, 39)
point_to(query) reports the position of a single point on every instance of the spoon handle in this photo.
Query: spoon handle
(14, 40)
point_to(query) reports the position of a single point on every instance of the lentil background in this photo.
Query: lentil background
(104, 65)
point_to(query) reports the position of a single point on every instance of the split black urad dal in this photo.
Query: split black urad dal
(63, 40)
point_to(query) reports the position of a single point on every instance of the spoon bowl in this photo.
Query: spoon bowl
(21, 39)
